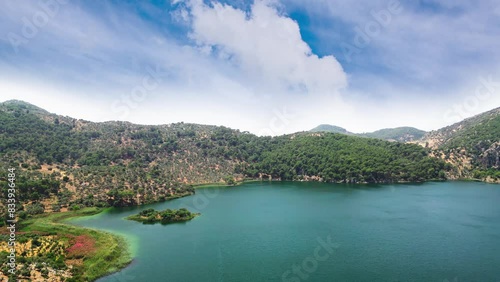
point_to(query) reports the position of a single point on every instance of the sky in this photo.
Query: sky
(270, 67)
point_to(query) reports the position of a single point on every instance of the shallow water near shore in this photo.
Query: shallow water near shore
(448, 231)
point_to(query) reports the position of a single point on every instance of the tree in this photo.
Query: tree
(229, 180)
(36, 208)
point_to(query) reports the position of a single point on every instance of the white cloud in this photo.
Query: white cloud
(265, 45)
(241, 69)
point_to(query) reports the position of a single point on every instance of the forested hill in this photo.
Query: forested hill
(341, 158)
(400, 134)
(331, 129)
(64, 162)
(472, 146)
(115, 163)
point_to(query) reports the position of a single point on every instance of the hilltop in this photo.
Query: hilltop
(399, 134)
(330, 128)
(472, 146)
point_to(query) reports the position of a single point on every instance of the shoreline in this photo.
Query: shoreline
(113, 251)
(223, 185)
(121, 245)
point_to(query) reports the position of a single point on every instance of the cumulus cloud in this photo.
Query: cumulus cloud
(266, 45)
(246, 66)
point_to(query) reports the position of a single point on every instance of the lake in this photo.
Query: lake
(285, 231)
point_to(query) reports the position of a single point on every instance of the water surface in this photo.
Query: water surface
(446, 231)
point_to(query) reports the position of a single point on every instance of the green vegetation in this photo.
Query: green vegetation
(476, 139)
(82, 253)
(331, 129)
(67, 164)
(229, 180)
(151, 216)
(401, 134)
(22, 130)
(340, 158)
(64, 164)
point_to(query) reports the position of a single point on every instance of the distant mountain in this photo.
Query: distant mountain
(472, 145)
(400, 134)
(330, 128)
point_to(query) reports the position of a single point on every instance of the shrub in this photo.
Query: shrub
(36, 208)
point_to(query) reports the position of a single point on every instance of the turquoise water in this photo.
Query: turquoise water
(320, 232)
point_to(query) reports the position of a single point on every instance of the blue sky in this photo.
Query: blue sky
(269, 67)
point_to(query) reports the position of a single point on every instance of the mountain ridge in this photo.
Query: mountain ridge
(321, 128)
(472, 146)
(401, 134)
(148, 163)
(330, 128)
(119, 163)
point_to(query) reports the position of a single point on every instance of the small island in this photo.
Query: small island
(152, 216)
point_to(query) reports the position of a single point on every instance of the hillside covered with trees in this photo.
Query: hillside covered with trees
(399, 134)
(344, 159)
(471, 146)
(65, 163)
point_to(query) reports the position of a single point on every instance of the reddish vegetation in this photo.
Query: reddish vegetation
(82, 246)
